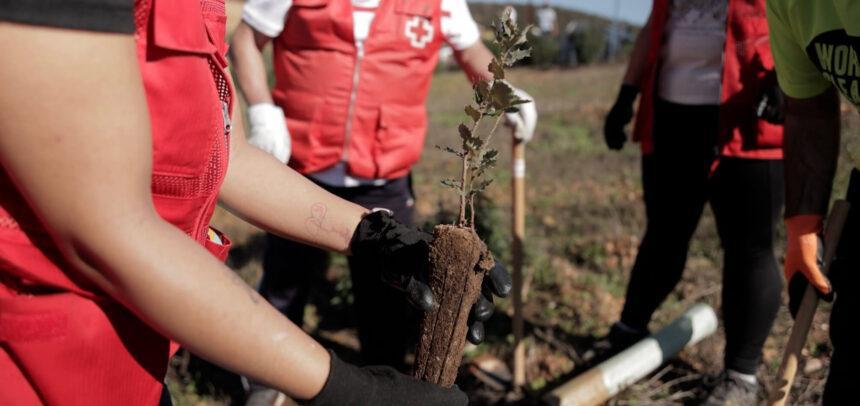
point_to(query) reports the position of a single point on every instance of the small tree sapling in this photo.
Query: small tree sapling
(458, 258)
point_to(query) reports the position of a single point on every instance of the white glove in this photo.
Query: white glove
(524, 121)
(269, 130)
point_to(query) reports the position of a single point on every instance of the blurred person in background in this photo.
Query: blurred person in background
(115, 139)
(547, 20)
(708, 127)
(347, 111)
(815, 50)
(570, 38)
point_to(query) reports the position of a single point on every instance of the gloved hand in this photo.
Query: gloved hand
(403, 251)
(802, 258)
(523, 121)
(619, 116)
(498, 283)
(771, 105)
(348, 385)
(269, 130)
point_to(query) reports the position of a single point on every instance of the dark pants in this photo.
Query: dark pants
(383, 315)
(746, 196)
(840, 389)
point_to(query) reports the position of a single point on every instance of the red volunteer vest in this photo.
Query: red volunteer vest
(363, 108)
(62, 341)
(747, 60)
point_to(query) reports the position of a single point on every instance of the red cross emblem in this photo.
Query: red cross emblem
(419, 31)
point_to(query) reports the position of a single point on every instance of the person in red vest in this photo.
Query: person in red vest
(707, 123)
(107, 259)
(347, 111)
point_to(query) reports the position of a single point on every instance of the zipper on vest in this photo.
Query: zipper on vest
(225, 114)
(350, 114)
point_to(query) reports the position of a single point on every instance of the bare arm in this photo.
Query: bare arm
(638, 57)
(270, 195)
(246, 54)
(811, 150)
(97, 205)
(474, 61)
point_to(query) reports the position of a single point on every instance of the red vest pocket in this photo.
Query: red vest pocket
(178, 25)
(218, 244)
(400, 139)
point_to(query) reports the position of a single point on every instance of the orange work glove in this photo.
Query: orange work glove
(801, 254)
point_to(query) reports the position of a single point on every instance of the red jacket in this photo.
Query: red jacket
(362, 106)
(62, 340)
(747, 70)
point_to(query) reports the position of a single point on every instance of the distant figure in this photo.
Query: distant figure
(613, 40)
(546, 19)
(569, 55)
(703, 68)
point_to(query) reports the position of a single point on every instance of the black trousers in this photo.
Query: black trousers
(384, 317)
(840, 389)
(746, 196)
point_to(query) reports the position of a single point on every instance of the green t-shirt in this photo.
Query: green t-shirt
(815, 43)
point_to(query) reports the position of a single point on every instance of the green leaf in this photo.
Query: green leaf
(465, 132)
(451, 183)
(473, 143)
(451, 151)
(482, 91)
(473, 113)
(490, 157)
(480, 186)
(517, 55)
(502, 30)
(503, 95)
(522, 36)
(497, 70)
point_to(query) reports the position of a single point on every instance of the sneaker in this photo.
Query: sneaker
(729, 390)
(620, 338)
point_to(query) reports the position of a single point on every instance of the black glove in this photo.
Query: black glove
(402, 253)
(619, 116)
(771, 105)
(498, 283)
(349, 385)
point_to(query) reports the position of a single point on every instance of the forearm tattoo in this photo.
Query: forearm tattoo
(318, 223)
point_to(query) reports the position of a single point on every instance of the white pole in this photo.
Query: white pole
(599, 384)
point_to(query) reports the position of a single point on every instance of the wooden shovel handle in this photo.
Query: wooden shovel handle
(806, 312)
(518, 208)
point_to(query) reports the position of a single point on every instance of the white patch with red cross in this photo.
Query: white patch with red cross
(419, 31)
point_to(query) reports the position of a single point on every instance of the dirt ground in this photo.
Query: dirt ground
(585, 218)
(584, 221)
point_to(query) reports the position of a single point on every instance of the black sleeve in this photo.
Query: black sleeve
(113, 16)
(811, 146)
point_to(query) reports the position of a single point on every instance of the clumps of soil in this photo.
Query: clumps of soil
(458, 262)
